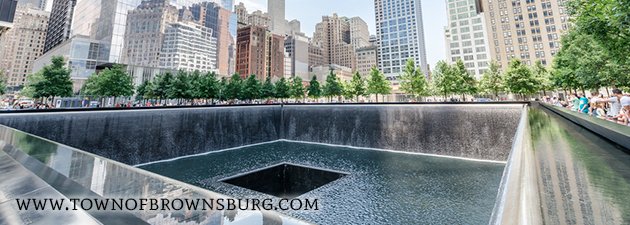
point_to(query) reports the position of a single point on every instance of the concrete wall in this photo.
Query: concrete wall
(141, 136)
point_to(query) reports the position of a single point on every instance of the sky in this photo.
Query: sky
(310, 12)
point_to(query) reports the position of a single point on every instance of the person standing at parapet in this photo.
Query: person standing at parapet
(624, 117)
(615, 104)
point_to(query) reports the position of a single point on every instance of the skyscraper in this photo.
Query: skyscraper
(466, 36)
(400, 35)
(333, 36)
(59, 24)
(359, 33)
(276, 11)
(7, 12)
(260, 53)
(23, 43)
(527, 30)
(37, 4)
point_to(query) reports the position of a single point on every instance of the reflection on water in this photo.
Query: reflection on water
(583, 178)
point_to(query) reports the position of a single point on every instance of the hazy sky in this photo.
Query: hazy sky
(310, 12)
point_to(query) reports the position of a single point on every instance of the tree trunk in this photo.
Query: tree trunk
(376, 98)
(607, 91)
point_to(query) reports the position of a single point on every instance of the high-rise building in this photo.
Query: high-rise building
(294, 27)
(527, 30)
(260, 53)
(189, 46)
(466, 36)
(146, 31)
(297, 46)
(359, 33)
(276, 10)
(22, 44)
(333, 36)
(37, 4)
(366, 59)
(400, 34)
(99, 29)
(7, 12)
(60, 23)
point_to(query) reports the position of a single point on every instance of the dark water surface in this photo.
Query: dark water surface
(380, 188)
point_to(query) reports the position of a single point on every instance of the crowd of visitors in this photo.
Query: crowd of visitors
(614, 108)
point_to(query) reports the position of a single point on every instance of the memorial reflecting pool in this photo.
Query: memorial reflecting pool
(377, 187)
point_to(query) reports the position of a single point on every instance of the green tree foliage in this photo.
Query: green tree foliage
(197, 84)
(181, 87)
(55, 80)
(333, 87)
(358, 86)
(444, 80)
(162, 85)
(347, 92)
(377, 84)
(143, 91)
(465, 82)
(29, 89)
(222, 89)
(314, 88)
(283, 89)
(3, 83)
(210, 86)
(492, 81)
(234, 89)
(297, 88)
(252, 89)
(543, 76)
(114, 82)
(520, 80)
(268, 89)
(413, 81)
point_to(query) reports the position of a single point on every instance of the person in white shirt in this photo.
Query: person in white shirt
(615, 104)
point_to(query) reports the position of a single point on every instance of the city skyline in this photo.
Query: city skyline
(308, 13)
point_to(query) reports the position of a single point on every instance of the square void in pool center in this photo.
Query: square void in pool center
(285, 180)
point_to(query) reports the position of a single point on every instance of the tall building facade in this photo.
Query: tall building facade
(37, 4)
(189, 46)
(99, 28)
(359, 33)
(60, 23)
(7, 12)
(466, 36)
(400, 35)
(333, 36)
(259, 52)
(527, 30)
(277, 14)
(366, 59)
(23, 43)
(297, 46)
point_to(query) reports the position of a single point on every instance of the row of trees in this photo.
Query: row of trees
(185, 86)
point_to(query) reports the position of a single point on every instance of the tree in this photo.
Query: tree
(314, 89)
(357, 86)
(197, 83)
(111, 82)
(222, 89)
(162, 85)
(3, 83)
(55, 80)
(347, 92)
(520, 80)
(234, 89)
(297, 88)
(143, 91)
(413, 81)
(283, 89)
(210, 88)
(181, 87)
(465, 82)
(252, 88)
(542, 75)
(268, 89)
(29, 89)
(444, 80)
(333, 86)
(377, 84)
(492, 81)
